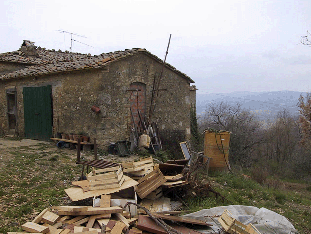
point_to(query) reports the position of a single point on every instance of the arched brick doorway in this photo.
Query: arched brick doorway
(138, 103)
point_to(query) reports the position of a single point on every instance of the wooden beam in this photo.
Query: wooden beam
(93, 211)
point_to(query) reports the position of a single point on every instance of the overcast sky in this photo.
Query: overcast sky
(223, 45)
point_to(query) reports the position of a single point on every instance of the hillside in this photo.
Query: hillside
(264, 104)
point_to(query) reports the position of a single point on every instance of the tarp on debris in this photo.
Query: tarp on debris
(266, 221)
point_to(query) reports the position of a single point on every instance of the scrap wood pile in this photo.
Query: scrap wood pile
(113, 188)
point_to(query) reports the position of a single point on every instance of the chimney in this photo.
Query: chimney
(29, 49)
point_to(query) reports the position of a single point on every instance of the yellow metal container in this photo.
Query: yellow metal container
(216, 146)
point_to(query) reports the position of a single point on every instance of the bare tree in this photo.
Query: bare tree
(244, 127)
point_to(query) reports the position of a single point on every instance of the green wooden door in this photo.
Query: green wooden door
(38, 112)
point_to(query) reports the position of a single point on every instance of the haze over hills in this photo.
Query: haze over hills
(265, 105)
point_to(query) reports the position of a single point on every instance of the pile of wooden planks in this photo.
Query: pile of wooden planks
(111, 177)
(138, 169)
(99, 220)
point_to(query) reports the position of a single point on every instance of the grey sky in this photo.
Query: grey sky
(224, 45)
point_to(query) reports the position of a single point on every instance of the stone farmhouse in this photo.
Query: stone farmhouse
(45, 92)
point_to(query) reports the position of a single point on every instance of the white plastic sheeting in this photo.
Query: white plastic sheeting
(266, 221)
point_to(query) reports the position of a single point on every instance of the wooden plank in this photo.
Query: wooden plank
(181, 219)
(50, 218)
(81, 221)
(58, 224)
(95, 217)
(108, 169)
(94, 211)
(65, 231)
(91, 222)
(23, 233)
(105, 201)
(87, 232)
(102, 187)
(71, 221)
(53, 230)
(34, 227)
(62, 219)
(39, 217)
(70, 208)
(118, 228)
(123, 219)
(103, 222)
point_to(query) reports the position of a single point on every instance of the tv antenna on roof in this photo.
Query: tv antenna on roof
(71, 39)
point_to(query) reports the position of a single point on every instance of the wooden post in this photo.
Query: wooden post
(95, 149)
(78, 149)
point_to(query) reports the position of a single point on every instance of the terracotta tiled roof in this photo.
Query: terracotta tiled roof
(46, 62)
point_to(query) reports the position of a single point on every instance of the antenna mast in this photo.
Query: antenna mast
(71, 39)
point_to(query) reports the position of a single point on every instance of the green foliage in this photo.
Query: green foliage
(196, 138)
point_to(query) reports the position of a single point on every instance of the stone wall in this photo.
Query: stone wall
(75, 93)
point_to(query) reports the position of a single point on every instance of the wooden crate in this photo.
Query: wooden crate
(149, 183)
(139, 169)
(106, 178)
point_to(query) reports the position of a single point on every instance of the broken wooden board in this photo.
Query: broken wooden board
(231, 225)
(147, 224)
(175, 184)
(118, 228)
(93, 211)
(77, 194)
(181, 219)
(50, 218)
(39, 217)
(34, 227)
(149, 183)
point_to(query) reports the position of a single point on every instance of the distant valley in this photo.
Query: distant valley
(265, 105)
